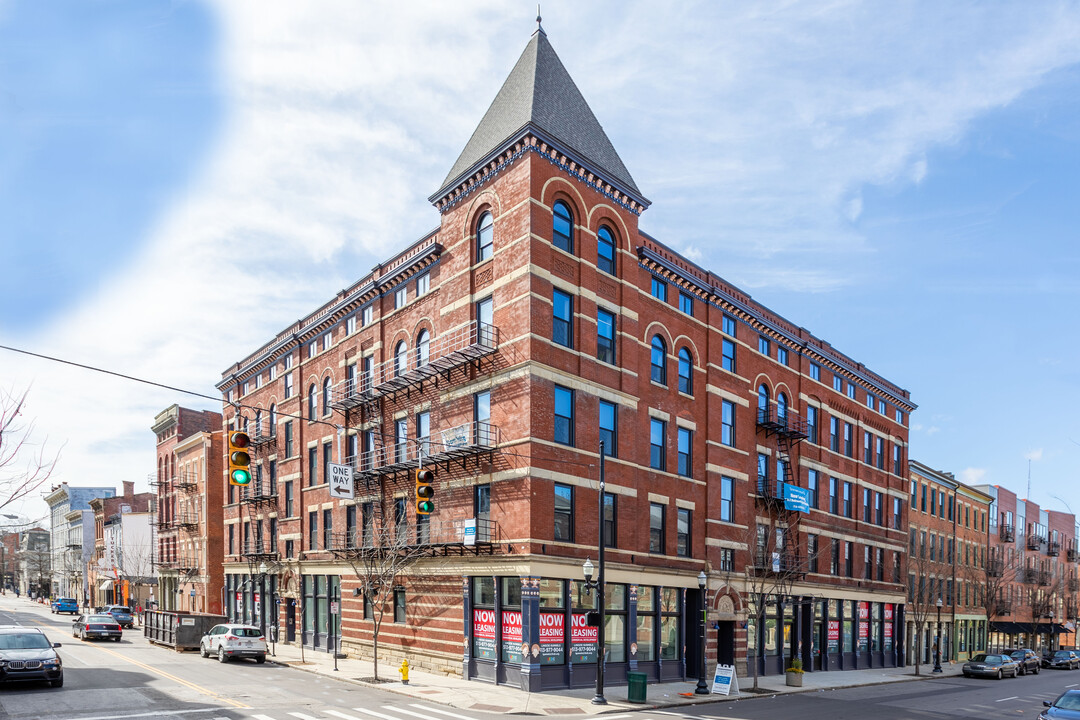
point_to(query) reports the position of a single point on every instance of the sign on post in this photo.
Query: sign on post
(341, 482)
(334, 607)
(468, 532)
(725, 681)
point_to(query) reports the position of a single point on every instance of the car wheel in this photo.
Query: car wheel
(58, 682)
(1023, 670)
(967, 675)
(999, 675)
(117, 639)
(260, 659)
(1038, 670)
(221, 656)
(203, 651)
(82, 635)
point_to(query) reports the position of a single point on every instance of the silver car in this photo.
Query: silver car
(234, 641)
(995, 666)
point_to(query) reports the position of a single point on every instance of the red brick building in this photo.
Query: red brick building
(189, 497)
(1035, 594)
(535, 323)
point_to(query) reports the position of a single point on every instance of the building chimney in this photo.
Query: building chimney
(129, 489)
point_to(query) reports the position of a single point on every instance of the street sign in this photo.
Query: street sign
(192, 592)
(334, 608)
(341, 482)
(468, 532)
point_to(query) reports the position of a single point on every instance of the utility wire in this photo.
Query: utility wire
(237, 405)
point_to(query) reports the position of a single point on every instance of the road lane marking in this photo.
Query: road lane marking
(422, 716)
(442, 712)
(304, 716)
(1073, 685)
(346, 716)
(1008, 698)
(262, 717)
(149, 714)
(164, 674)
(616, 717)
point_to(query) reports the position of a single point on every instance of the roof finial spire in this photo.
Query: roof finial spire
(539, 27)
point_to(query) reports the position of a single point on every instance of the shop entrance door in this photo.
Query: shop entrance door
(725, 642)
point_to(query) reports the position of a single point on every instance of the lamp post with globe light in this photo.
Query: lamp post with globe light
(702, 687)
(937, 645)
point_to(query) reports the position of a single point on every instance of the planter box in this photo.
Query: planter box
(794, 679)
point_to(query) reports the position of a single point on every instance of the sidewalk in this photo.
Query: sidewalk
(475, 695)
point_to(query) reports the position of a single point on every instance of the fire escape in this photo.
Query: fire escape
(380, 457)
(779, 422)
(259, 497)
(186, 520)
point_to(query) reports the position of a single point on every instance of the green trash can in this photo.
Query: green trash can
(636, 687)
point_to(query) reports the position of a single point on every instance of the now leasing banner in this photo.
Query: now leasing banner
(483, 634)
(583, 639)
(511, 636)
(552, 638)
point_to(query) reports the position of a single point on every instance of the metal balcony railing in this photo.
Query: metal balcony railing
(186, 521)
(258, 492)
(1008, 533)
(463, 440)
(1031, 575)
(788, 424)
(1002, 607)
(1072, 555)
(186, 480)
(1053, 548)
(434, 536)
(261, 431)
(774, 563)
(1034, 542)
(1074, 585)
(450, 350)
(254, 549)
(994, 567)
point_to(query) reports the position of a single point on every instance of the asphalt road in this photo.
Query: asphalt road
(134, 679)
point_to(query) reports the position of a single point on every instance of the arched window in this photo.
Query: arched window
(485, 237)
(273, 420)
(326, 396)
(762, 402)
(562, 230)
(605, 251)
(659, 360)
(401, 358)
(259, 429)
(311, 402)
(423, 348)
(686, 365)
(781, 409)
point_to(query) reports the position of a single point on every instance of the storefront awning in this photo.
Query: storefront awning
(1015, 628)
(107, 585)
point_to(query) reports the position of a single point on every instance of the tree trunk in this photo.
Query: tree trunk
(918, 646)
(375, 650)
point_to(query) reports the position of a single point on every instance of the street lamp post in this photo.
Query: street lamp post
(587, 569)
(702, 687)
(937, 645)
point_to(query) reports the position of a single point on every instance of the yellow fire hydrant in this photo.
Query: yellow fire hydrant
(404, 670)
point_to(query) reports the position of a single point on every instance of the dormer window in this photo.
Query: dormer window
(562, 233)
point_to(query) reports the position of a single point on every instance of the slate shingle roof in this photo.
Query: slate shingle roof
(540, 92)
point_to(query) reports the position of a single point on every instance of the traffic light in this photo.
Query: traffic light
(239, 458)
(425, 491)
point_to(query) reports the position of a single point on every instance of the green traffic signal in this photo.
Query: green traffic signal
(425, 506)
(240, 477)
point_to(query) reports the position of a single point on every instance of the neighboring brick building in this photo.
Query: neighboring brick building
(1035, 595)
(121, 578)
(500, 350)
(188, 523)
(947, 561)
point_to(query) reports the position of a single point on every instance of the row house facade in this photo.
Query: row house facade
(948, 566)
(66, 563)
(1035, 584)
(501, 350)
(188, 491)
(121, 564)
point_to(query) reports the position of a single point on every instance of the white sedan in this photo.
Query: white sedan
(234, 641)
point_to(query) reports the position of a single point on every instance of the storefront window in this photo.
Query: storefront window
(875, 627)
(511, 620)
(483, 591)
(751, 627)
(615, 638)
(583, 639)
(581, 597)
(849, 639)
(670, 614)
(888, 627)
(833, 628)
(646, 599)
(551, 593)
(646, 623)
(614, 597)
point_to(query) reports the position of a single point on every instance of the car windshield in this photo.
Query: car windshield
(1062, 654)
(1068, 701)
(246, 632)
(23, 641)
(988, 659)
(1017, 654)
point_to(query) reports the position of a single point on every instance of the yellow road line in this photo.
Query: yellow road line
(164, 674)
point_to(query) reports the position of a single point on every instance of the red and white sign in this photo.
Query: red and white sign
(834, 631)
(864, 611)
(888, 611)
(511, 626)
(552, 638)
(584, 640)
(483, 634)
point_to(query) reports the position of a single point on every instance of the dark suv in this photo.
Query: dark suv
(122, 614)
(26, 654)
(1029, 661)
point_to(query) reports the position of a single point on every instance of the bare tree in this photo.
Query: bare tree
(993, 579)
(380, 553)
(38, 563)
(926, 586)
(24, 465)
(774, 564)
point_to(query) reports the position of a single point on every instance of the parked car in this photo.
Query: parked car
(995, 666)
(232, 640)
(27, 654)
(1066, 707)
(1029, 661)
(1067, 659)
(122, 614)
(67, 605)
(88, 627)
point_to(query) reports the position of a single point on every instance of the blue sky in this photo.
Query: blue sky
(899, 179)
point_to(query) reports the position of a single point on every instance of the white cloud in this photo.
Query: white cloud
(1035, 455)
(972, 476)
(753, 128)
